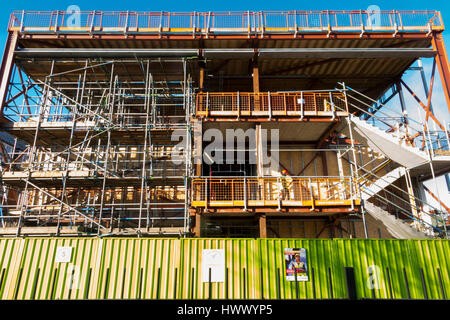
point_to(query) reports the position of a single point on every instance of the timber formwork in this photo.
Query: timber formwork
(109, 120)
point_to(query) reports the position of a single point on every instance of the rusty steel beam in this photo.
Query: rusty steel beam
(255, 79)
(268, 36)
(442, 64)
(7, 67)
(422, 104)
(330, 54)
(262, 226)
(201, 81)
(197, 228)
(303, 211)
(266, 119)
(436, 198)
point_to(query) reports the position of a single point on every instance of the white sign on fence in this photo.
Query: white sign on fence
(63, 254)
(214, 260)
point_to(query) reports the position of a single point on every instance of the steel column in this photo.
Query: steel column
(442, 64)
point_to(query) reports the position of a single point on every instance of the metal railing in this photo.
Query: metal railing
(437, 141)
(226, 22)
(274, 191)
(270, 103)
(118, 162)
(129, 120)
(404, 128)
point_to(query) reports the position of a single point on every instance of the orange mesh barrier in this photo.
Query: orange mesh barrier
(273, 190)
(269, 104)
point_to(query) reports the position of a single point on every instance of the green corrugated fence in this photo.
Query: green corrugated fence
(132, 268)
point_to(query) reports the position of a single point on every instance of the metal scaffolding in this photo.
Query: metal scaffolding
(104, 153)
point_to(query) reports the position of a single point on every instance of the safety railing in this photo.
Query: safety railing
(33, 114)
(274, 191)
(406, 129)
(268, 104)
(121, 162)
(437, 141)
(225, 22)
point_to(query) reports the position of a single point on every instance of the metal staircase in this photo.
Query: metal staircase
(397, 227)
(405, 135)
(392, 138)
(382, 182)
(388, 144)
(419, 225)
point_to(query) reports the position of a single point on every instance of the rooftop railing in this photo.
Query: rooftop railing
(259, 22)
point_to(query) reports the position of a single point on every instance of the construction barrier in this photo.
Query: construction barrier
(132, 268)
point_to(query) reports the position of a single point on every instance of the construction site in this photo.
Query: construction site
(163, 127)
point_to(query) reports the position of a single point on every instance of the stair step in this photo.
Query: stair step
(383, 182)
(387, 144)
(397, 227)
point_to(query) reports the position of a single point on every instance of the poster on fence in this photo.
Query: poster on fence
(213, 260)
(296, 264)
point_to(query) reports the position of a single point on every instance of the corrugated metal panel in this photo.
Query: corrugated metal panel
(400, 265)
(321, 271)
(131, 268)
(242, 269)
(385, 257)
(432, 259)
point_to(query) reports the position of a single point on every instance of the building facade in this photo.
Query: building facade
(227, 124)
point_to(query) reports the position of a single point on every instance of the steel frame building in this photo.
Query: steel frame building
(104, 118)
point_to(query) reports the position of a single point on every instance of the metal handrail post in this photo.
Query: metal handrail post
(238, 105)
(333, 108)
(280, 193)
(206, 193)
(21, 20)
(262, 24)
(295, 24)
(245, 194)
(126, 23)
(207, 23)
(92, 21)
(270, 105)
(193, 24)
(302, 109)
(311, 193)
(56, 21)
(248, 22)
(352, 200)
